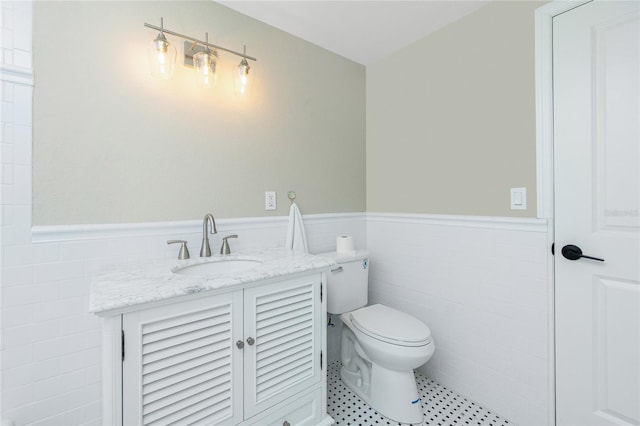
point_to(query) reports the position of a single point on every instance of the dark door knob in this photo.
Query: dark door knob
(572, 252)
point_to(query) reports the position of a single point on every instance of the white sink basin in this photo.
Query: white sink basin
(218, 267)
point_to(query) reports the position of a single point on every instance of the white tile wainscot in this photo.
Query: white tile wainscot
(51, 344)
(480, 284)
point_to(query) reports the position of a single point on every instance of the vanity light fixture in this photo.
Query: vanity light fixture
(198, 54)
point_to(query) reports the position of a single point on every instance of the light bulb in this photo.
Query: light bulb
(242, 78)
(162, 56)
(205, 65)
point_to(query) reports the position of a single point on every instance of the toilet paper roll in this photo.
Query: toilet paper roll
(344, 245)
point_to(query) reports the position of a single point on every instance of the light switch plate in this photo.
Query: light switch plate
(518, 198)
(270, 200)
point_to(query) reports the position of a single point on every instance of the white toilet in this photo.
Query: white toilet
(380, 346)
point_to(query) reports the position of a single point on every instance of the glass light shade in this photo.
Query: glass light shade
(243, 78)
(162, 57)
(205, 65)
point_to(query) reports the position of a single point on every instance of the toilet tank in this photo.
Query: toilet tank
(348, 282)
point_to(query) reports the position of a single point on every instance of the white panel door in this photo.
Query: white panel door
(596, 57)
(282, 330)
(181, 363)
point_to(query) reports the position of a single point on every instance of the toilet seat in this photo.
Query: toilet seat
(391, 326)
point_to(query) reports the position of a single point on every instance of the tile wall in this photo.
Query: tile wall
(480, 284)
(51, 363)
(15, 145)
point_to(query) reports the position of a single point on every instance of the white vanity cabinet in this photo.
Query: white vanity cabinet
(251, 355)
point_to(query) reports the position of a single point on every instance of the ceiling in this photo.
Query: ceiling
(363, 31)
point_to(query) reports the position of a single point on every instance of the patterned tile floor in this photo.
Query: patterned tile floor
(440, 406)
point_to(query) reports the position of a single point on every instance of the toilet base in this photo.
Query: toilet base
(394, 394)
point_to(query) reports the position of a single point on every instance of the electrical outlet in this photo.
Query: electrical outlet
(270, 200)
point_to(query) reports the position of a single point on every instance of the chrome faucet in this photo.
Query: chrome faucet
(205, 249)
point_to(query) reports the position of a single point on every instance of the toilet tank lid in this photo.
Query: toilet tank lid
(344, 258)
(391, 324)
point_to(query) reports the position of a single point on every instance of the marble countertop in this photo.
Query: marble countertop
(120, 288)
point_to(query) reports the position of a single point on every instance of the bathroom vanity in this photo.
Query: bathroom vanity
(221, 340)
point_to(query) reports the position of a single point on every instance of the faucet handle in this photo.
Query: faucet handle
(225, 249)
(184, 251)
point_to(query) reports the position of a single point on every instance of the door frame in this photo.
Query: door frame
(544, 161)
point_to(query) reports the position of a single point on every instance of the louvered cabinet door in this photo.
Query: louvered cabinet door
(283, 321)
(181, 363)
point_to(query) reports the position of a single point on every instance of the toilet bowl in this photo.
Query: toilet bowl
(390, 344)
(392, 338)
(380, 345)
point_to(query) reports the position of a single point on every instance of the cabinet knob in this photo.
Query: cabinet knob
(286, 423)
(240, 344)
(250, 341)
